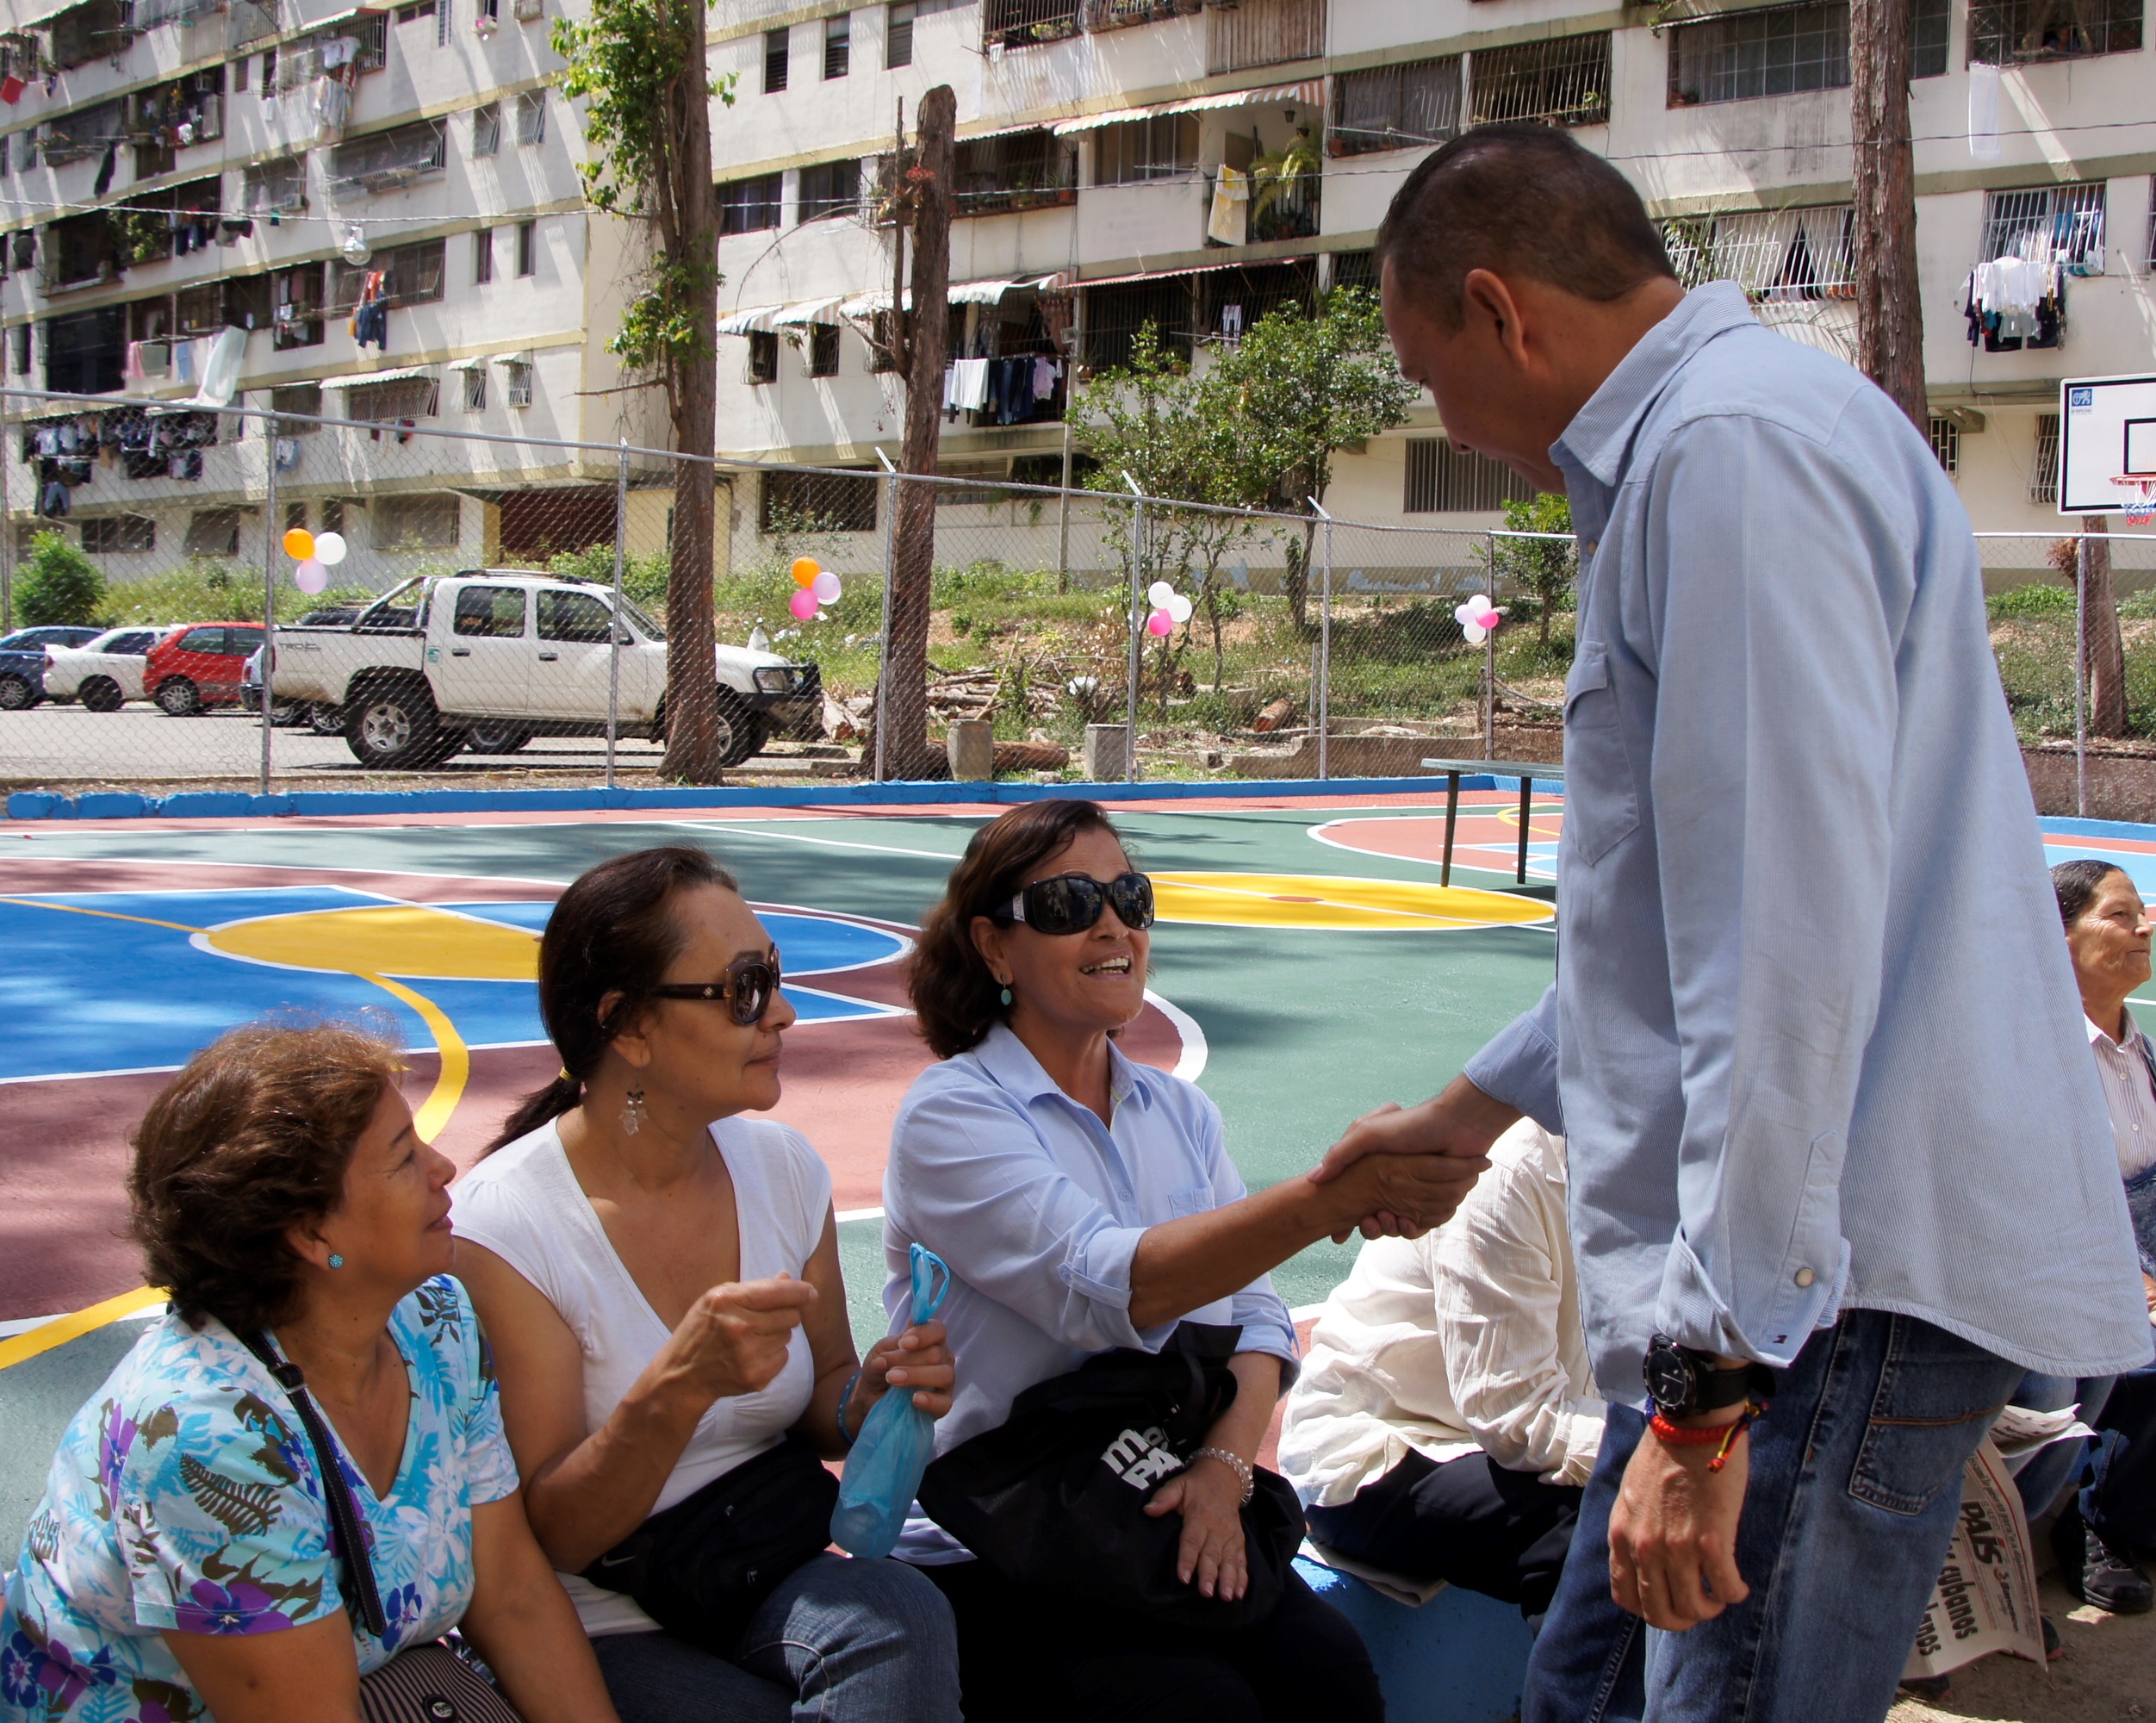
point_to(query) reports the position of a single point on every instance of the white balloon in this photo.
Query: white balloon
(1160, 593)
(1179, 607)
(329, 549)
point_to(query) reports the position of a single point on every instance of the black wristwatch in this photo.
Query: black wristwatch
(1682, 1380)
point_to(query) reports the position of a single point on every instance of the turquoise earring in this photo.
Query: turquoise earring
(335, 1260)
(1006, 996)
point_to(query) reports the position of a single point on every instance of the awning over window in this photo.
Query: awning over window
(1307, 94)
(751, 320)
(961, 293)
(806, 311)
(394, 374)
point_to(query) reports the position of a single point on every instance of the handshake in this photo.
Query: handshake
(1399, 1170)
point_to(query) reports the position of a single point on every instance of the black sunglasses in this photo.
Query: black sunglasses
(1071, 903)
(749, 987)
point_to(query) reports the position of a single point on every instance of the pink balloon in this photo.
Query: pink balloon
(803, 604)
(826, 587)
(310, 576)
(1160, 623)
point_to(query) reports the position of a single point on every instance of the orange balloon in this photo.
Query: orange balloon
(299, 544)
(805, 569)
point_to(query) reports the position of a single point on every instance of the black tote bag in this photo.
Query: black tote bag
(1055, 1495)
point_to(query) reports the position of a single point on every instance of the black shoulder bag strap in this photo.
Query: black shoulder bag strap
(344, 1518)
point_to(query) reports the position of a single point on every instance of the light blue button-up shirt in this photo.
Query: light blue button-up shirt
(1814, 1041)
(1038, 1207)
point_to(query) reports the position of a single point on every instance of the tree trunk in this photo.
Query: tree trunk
(2107, 649)
(905, 704)
(1889, 323)
(692, 743)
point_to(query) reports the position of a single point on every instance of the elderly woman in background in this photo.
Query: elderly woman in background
(182, 1559)
(661, 1275)
(1085, 1202)
(2100, 1527)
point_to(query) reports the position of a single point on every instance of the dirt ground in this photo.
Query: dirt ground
(2109, 1673)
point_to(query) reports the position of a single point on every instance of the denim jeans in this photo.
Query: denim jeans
(839, 1641)
(1855, 1483)
(2045, 1476)
(2118, 1497)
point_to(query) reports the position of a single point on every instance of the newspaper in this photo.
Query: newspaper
(1985, 1599)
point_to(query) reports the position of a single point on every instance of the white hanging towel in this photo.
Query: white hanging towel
(1229, 223)
(220, 369)
(1984, 144)
(969, 385)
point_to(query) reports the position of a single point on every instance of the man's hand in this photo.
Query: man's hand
(1673, 1533)
(1462, 1121)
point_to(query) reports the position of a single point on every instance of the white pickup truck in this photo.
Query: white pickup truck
(490, 657)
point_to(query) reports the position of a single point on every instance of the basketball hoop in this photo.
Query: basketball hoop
(2139, 491)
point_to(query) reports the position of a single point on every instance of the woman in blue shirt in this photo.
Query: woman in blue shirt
(181, 1562)
(1085, 1202)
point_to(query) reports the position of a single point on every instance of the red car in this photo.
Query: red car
(200, 667)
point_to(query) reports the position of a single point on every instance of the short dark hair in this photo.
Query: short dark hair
(253, 1138)
(2076, 883)
(956, 1001)
(1520, 197)
(614, 931)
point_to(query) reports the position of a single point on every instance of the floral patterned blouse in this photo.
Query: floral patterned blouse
(184, 1497)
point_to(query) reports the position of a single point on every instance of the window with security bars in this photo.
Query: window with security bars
(2043, 477)
(1114, 316)
(387, 402)
(531, 117)
(1395, 107)
(297, 397)
(831, 189)
(749, 206)
(1018, 170)
(1355, 268)
(1773, 254)
(119, 535)
(516, 377)
(1262, 33)
(1776, 51)
(1165, 147)
(476, 388)
(2047, 224)
(1561, 80)
(2014, 32)
(817, 502)
(412, 274)
(382, 161)
(487, 130)
(820, 351)
(838, 44)
(426, 521)
(1444, 480)
(775, 61)
(1946, 444)
(763, 356)
(899, 34)
(1017, 23)
(1931, 31)
(213, 532)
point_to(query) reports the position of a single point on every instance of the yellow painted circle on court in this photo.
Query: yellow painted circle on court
(1327, 901)
(408, 940)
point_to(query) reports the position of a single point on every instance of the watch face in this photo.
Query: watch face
(1668, 1374)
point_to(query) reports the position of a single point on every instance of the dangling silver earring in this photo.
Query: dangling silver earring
(632, 1114)
(1006, 993)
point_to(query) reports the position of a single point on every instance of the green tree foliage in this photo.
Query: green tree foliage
(1546, 567)
(57, 585)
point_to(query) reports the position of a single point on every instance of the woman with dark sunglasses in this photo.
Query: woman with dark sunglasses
(1084, 1202)
(659, 1278)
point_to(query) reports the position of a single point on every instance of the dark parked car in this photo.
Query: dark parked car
(22, 662)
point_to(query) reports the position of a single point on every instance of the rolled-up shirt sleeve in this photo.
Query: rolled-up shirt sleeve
(1519, 1065)
(982, 1192)
(1771, 623)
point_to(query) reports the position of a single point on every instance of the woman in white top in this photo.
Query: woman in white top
(1446, 1418)
(660, 1280)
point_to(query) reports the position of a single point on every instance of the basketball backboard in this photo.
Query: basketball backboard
(2106, 444)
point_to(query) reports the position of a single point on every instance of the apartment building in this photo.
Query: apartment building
(376, 214)
(1094, 136)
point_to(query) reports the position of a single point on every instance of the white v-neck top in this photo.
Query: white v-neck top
(523, 1203)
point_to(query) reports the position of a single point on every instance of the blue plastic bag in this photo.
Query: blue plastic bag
(884, 1470)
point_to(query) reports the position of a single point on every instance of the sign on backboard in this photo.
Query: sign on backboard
(2107, 445)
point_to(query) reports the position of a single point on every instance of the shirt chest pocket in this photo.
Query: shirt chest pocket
(1194, 1201)
(1602, 802)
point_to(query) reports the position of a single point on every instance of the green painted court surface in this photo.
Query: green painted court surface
(1315, 974)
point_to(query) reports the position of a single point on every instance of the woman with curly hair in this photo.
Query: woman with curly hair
(185, 1559)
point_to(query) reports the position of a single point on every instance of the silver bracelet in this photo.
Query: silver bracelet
(1235, 1463)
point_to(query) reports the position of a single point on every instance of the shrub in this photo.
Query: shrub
(59, 585)
(2030, 601)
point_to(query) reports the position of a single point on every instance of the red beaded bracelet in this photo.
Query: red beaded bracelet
(1722, 1438)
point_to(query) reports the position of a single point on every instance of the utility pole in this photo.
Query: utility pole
(903, 719)
(1890, 319)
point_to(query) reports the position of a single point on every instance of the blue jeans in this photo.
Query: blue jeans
(839, 1641)
(1855, 1488)
(2118, 1499)
(2045, 1476)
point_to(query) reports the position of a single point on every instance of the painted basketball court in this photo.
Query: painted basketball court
(1307, 966)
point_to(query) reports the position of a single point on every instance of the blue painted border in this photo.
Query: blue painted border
(27, 805)
(2065, 826)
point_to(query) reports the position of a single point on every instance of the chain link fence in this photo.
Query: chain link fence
(445, 607)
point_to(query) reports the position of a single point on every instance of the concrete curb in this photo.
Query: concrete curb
(32, 804)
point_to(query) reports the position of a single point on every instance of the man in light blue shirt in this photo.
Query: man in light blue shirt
(1834, 1139)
